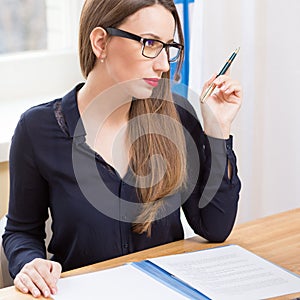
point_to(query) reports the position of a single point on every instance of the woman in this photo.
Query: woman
(116, 157)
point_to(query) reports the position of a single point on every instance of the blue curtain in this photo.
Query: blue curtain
(181, 88)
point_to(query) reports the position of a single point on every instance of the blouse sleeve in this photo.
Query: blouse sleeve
(210, 200)
(24, 235)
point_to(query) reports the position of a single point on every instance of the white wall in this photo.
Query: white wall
(268, 66)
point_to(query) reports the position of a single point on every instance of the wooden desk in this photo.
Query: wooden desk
(275, 238)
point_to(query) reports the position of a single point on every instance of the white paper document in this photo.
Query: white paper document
(230, 272)
(125, 282)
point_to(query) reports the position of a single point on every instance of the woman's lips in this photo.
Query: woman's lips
(152, 81)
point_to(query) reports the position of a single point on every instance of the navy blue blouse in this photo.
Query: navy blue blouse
(92, 222)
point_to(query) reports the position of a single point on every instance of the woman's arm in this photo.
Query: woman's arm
(23, 240)
(212, 206)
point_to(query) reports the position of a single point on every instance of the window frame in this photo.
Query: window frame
(31, 74)
(32, 77)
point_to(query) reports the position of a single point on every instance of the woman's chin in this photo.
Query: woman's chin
(139, 89)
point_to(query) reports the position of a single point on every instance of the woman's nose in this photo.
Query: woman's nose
(161, 62)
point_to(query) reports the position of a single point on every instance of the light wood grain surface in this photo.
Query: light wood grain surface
(275, 238)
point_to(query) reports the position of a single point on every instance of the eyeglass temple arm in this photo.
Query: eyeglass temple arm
(122, 33)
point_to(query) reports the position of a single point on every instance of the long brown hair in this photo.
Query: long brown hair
(112, 13)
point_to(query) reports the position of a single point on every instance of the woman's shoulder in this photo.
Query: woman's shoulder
(39, 111)
(39, 117)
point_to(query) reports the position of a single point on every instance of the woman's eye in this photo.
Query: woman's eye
(150, 43)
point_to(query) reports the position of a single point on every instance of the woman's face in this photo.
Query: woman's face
(124, 61)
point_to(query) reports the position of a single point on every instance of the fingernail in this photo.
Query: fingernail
(54, 291)
(25, 290)
(36, 293)
(46, 293)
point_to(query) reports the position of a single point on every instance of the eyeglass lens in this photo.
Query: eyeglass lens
(152, 48)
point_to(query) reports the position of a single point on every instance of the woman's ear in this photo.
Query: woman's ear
(98, 38)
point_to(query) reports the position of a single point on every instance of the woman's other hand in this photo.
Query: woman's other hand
(39, 277)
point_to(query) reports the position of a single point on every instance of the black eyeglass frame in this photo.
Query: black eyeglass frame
(125, 34)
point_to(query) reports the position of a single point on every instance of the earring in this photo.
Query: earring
(102, 59)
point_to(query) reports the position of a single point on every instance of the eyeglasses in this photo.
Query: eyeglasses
(151, 47)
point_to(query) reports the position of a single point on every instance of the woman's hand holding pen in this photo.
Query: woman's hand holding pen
(221, 107)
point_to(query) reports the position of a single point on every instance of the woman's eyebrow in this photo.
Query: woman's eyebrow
(156, 37)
